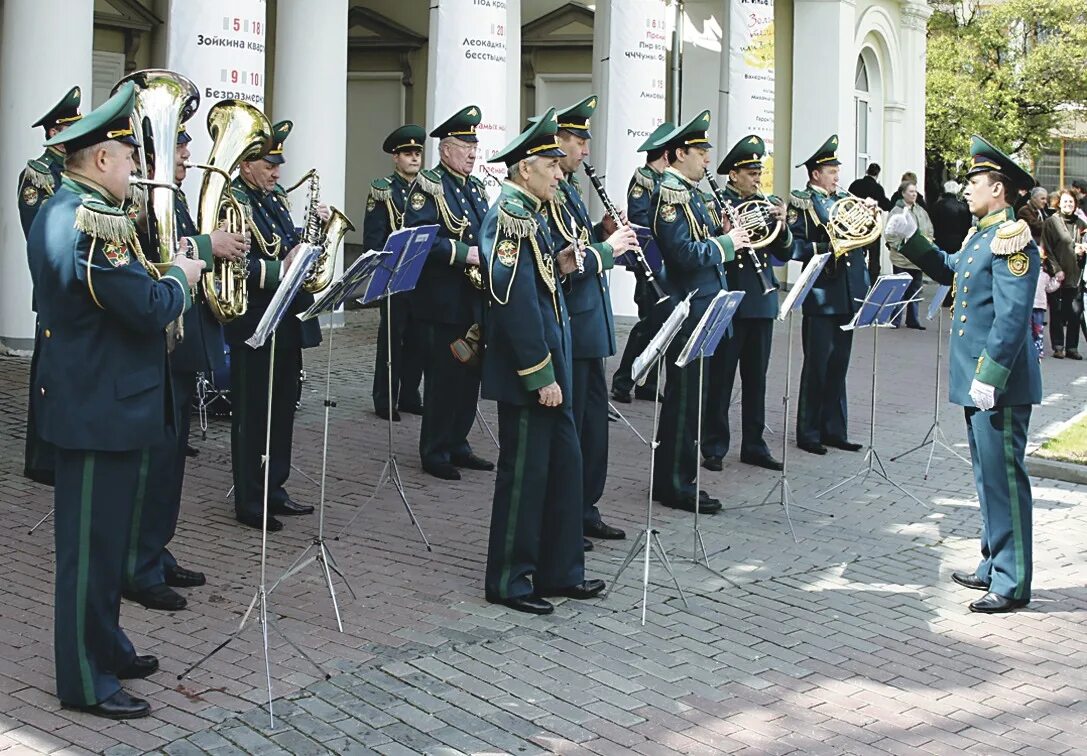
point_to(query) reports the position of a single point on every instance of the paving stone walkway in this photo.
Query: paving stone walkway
(852, 640)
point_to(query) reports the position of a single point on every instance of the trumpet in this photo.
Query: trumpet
(327, 235)
(852, 224)
(613, 211)
(754, 217)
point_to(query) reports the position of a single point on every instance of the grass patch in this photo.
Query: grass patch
(1070, 445)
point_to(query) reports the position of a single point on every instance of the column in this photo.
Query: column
(824, 65)
(29, 91)
(310, 89)
(914, 48)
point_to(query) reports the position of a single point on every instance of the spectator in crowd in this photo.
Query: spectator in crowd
(868, 187)
(900, 263)
(1062, 238)
(1079, 191)
(911, 177)
(1035, 211)
(1046, 285)
(951, 218)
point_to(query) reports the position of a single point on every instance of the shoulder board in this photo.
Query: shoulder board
(1011, 236)
(707, 196)
(515, 220)
(773, 199)
(800, 198)
(673, 191)
(38, 174)
(96, 218)
(430, 182)
(380, 189)
(645, 178)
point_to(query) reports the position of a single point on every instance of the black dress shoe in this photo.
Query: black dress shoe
(158, 597)
(813, 447)
(179, 577)
(191, 451)
(411, 409)
(141, 666)
(118, 706)
(706, 506)
(472, 462)
(383, 413)
(992, 603)
(762, 460)
(714, 464)
(442, 470)
(1072, 354)
(526, 604)
(586, 589)
(969, 580)
(289, 508)
(841, 443)
(623, 397)
(254, 521)
(916, 326)
(600, 529)
(586, 544)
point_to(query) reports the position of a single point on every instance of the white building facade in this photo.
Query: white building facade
(349, 71)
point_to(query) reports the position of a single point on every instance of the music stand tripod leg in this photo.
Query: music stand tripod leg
(43, 519)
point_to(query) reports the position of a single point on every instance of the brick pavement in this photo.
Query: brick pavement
(852, 641)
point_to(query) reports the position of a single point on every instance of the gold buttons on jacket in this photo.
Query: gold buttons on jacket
(963, 318)
(961, 332)
(965, 289)
(48, 333)
(966, 274)
(964, 304)
(43, 390)
(969, 259)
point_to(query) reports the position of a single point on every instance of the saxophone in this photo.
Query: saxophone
(324, 234)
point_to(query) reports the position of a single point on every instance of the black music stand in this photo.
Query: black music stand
(353, 280)
(648, 539)
(703, 343)
(266, 328)
(792, 304)
(398, 272)
(884, 301)
(935, 436)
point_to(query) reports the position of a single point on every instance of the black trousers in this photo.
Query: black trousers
(676, 461)
(450, 394)
(536, 531)
(407, 357)
(39, 453)
(637, 341)
(1064, 318)
(822, 411)
(97, 496)
(911, 314)
(249, 418)
(590, 402)
(749, 349)
(148, 557)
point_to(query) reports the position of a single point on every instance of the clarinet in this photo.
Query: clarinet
(610, 209)
(734, 221)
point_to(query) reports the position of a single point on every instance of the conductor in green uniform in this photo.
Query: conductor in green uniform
(103, 397)
(753, 323)
(37, 183)
(993, 364)
(385, 208)
(535, 549)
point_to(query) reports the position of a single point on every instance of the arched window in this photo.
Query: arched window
(862, 109)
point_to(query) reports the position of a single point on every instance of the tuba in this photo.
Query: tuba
(164, 100)
(852, 224)
(327, 235)
(239, 132)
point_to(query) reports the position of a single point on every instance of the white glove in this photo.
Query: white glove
(983, 394)
(901, 225)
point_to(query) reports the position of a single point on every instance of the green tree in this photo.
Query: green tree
(1010, 70)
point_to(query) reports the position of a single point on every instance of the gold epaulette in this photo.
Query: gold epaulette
(800, 201)
(431, 183)
(110, 224)
(39, 176)
(1011, 236)
(381, 190)
(670, 196)
(515, 221)
(645, 182)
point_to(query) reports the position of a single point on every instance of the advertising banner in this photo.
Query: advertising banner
(751, 76)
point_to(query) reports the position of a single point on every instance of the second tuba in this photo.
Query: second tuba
(239, 132)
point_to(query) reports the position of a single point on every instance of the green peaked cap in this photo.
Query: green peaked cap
(746, 153)
(64, 112)
(538, 139)
(694, 133)
(575, 118)
(280, 132)
(407, 137)
(985, 157)
(461, 125)
(827, 154)
(653, 141)
(110, 120)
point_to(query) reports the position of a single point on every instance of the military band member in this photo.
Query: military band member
(37, 183)
(275, 240)
(643, 184)
(102, 397)
(588, 300)
(385, 209)
(993, 363)
(821, 415)
(752, 325)
(446, 301)
(535, 548)
(151, 571)
(694, 251)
